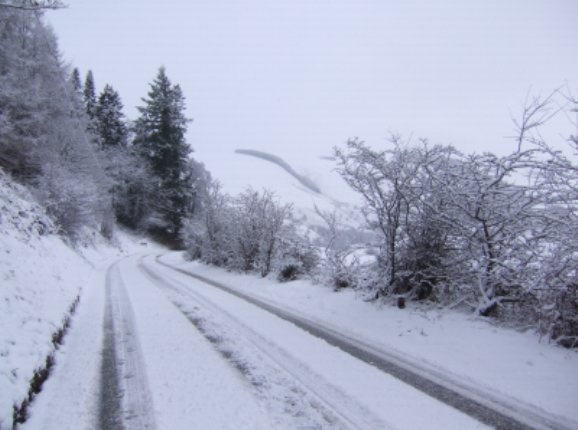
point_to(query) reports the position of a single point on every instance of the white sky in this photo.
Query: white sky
(299, 77)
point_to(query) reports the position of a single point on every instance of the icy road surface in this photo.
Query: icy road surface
(158, 349)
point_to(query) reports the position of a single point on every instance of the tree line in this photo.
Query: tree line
(83, 160)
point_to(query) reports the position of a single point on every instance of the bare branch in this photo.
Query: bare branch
(536, 112)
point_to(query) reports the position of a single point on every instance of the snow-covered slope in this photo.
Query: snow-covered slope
(40, 278)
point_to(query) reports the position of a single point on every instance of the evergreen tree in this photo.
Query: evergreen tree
(75, 80)
(90, 96)
(160, 138)
(110, 122)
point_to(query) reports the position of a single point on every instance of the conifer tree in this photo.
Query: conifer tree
(160, 138)
(90, 95)
(75, 80)
(110, 122)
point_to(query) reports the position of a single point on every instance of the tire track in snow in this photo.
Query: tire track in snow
(125, 399)
(483, 406)
(109, 409)
(279, 380)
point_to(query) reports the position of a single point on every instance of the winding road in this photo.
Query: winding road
(289, 370)
(156, 345)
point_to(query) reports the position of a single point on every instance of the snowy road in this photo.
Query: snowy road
(301, 380)
(175, 352)
(480, 405)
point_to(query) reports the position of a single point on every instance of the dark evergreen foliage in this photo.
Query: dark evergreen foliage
(160, 139)
(75, 80)
(110, 121)
(90, 95)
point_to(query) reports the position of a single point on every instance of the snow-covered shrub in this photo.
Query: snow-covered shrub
(496, 233)
(241, 233)
(208, 235)
(297, 257)
(70, 200)
(402, 206)
(557, 302)
(250, 233)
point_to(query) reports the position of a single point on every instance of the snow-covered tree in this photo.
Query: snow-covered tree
(258, 222)
(399, 199)
(250, 232)
(160, 139)
(89, 93)
(556, 176)
(42, 135)
(75, 81)
(110, 121)
(207, 235)
(497, 233)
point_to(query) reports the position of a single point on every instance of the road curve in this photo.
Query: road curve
(478, 405)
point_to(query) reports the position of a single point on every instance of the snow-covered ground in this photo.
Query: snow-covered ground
(202, 358)
(40, 278)
(206, 359)
(517, 367)
(192, 356)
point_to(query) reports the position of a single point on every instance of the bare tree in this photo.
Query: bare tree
(259, 220)
(208, 235)
(496, 232)
(404, 205)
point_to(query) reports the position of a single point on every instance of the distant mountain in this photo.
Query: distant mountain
(304, 180)
(307, 182)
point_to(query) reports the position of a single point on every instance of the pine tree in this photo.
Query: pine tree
(160, 138)
(110, 122)
(90, 95)
(75, 80)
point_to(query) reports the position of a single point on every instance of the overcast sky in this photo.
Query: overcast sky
(299, 77)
